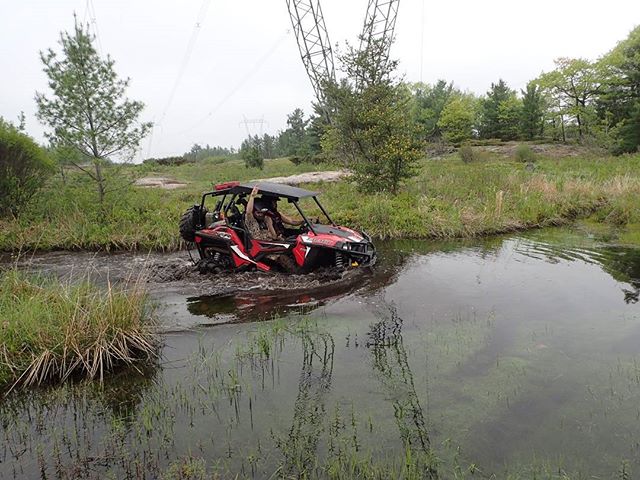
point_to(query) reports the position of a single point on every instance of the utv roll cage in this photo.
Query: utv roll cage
(237, 191)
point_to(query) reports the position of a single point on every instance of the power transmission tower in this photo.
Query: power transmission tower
(313, 42)
(247, 122)
(379, 25)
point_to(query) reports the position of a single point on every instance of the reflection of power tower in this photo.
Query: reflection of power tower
(309, 411)
(252, 122)
(392, 366)
(313, 42)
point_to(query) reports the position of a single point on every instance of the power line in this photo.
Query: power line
(90, 11)
(187, 55)
(247, 76)
(204, 7)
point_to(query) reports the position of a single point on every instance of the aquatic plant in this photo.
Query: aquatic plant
(53, 330)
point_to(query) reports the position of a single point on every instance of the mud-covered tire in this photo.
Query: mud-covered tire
(289, 264)
(188, 223)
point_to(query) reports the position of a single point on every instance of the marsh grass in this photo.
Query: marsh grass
(51, 330)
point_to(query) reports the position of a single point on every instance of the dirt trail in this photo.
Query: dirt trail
(308, 177)
(159, 182)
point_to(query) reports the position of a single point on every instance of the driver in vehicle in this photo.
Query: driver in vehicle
(267, 211)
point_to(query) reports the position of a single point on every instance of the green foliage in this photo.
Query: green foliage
(619, 105)
(428, 104)
(198, 152)
(458, 119)
(466, 153)
(532, 115)
(371, 126)
(87, 110)
(509, 114)
(24, 168)
(524, 154)
(628, 132)
(251, 152)
(168, 161)
(301, 140)
(573, 86)
(499, 112)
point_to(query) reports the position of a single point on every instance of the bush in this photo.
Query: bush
(466, 153)
(24, 167)
(252, 157)
(524, 154)
(169, 161)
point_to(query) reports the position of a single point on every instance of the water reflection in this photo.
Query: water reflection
(254, 305)
(622, 263)
(394, 372)
(533, 364)
(262, 306)
(300, 448)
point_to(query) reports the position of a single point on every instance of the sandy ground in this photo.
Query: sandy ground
(554, 150)
(309, 177)
(159, 182)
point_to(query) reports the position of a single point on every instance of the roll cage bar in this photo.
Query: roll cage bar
(236, 192)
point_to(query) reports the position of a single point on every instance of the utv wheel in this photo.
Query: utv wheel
(188, 223)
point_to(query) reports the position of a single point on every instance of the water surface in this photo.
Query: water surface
(516, 355)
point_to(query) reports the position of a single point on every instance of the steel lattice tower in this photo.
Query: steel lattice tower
(379, 24)
(313, 42)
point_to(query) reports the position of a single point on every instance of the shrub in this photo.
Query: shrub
(524, 154)
(467, 154)
(252, 157)
(169, 161)
(24, 167)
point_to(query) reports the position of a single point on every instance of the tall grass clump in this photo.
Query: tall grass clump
(525, 154)
(466, 153)
(51, 330)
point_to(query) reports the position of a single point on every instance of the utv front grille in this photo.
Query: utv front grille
(360, 248)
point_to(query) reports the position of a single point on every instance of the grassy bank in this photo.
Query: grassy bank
(51, 330)
(446, 199)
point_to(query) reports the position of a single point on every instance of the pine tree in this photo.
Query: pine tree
(88, 110)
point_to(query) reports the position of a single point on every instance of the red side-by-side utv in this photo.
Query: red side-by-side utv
(223, 242)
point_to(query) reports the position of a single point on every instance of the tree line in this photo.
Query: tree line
(369, 121)
(579, 100)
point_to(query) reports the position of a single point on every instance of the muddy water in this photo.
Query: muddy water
(512, 356)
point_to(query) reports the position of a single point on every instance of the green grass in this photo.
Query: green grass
(51, 330)
(446, 199)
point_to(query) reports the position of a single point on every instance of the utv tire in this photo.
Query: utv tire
(188, 223)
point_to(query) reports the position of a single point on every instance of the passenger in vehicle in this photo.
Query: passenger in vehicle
(253, 217)
(279, 219)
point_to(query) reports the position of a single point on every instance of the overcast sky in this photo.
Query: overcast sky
(244, 62)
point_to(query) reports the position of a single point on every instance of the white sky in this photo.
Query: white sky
(245, 60)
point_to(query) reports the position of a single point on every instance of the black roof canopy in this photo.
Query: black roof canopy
(276, 189)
